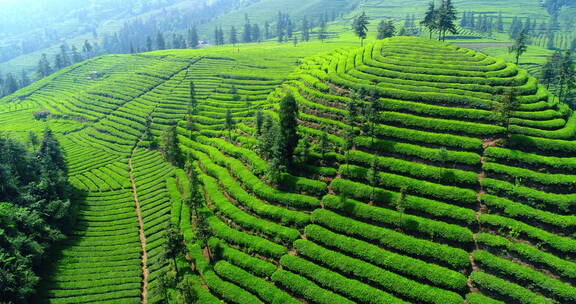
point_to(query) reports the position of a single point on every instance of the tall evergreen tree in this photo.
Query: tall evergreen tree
(193, 37)
(550, 37)
(160, 42)
(504, 109)
(288, 115)
(447, 18)
(174, 245)
(500, 23)
(360, 26)
(520, 45)
(24, 79)
(567, 76)
(88, 49)
(76, 56)
(44, 68)
(10, 84)
(247, 33)
(233, 36)
(305, 29)
(170, 147)
(229, 123)
(322, 33)
(386, 29)
(550, 70)
(149, 45)
(256, 34)
(267, 34)
(64, 55)
(431, 19)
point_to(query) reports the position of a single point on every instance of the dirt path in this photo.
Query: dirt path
(144, 257)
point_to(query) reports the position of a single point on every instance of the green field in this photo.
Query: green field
(431, 201)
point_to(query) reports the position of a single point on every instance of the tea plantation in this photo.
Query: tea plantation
(412, 190)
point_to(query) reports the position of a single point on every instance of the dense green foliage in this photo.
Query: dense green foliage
(36, 214)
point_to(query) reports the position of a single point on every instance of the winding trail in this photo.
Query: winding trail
(144, 257)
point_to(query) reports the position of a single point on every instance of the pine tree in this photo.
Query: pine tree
(464, 20)
(322, 34)
(174, 245)
(550, 41)
(149, 46)
(10, 84)
(373, 177)
(216, 34)
(160, 43)
(24, 79)
(247, 33)
(280, 30)
(193, 37)
(256, 34)
(567, 76)
(267, 34)
(44, 68)
(430, 19)
(446, 19)
(288, 115)
(289, 27)
(259, 120)
(87, 49)
(171, 148)
(550, 69)
(520, 45)
(229, 123)
(323, 140)
(500, 23)
(220, 36)
(64, 55)
(305, 29)
(58, 63)
(194, 199)
(504, 109)
(233, 36)
(386, 29)
(76, 57)
(360, 26)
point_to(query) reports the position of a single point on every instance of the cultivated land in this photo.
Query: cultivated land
(453, 216)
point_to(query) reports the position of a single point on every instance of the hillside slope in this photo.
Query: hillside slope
(427, 204)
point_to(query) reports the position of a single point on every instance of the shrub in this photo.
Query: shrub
(425, 272)
(410, 203)
(307, 289)
(564, 292)
(426, 189)
(258, 286)
(331, 280)
(422, 249)
(507, 290)
(387, 280)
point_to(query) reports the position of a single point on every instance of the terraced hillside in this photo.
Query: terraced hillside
(411, 192)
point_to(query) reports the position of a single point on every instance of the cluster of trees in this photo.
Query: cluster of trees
(441, 20)
(483, 23)
(278, 139)
(385, 29)
(559, 76)
(283, 29)
(35, 211)
(10, 83)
